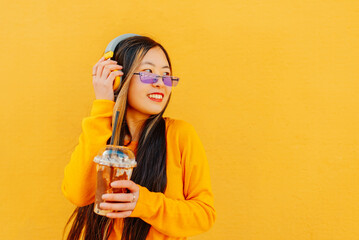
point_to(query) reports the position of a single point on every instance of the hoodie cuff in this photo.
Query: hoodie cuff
(143, 203)
(102, 107)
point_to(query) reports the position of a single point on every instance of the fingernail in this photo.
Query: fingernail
(104, 196)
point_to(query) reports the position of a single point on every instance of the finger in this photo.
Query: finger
(118, 197)
(117, 206)
(106, 79)
(107, 70)
(107, 61)
(101, 69)
(112, 67)
(125, 184)
(111, 77)
(100, 66)
(119, 214)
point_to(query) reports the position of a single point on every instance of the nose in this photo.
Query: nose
(159, 83)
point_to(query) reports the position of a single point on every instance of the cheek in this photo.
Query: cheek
(168, 91)
(135, 97)
(134, 92)
(167, 98)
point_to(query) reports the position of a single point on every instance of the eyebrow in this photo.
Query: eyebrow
(153, 64)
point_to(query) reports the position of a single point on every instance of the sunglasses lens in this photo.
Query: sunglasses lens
(147, 77)
(168, 81)
(150, 78)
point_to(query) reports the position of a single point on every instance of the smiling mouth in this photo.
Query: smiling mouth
(157, 97)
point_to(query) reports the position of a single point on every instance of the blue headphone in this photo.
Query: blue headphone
(110, 50)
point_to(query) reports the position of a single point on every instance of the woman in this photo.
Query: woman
(169, 194)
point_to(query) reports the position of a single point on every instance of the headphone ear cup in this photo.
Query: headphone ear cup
(117, 82)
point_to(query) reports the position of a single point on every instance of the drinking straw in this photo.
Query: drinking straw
(114, 128)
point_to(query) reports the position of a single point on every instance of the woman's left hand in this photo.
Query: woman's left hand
(122, 202)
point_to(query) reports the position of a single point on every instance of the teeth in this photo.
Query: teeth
(156, 96)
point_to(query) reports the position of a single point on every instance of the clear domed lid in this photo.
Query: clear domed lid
(116, 156)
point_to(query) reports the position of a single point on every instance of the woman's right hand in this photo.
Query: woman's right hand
(103, 78)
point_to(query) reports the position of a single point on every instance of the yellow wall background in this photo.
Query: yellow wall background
(270, 86)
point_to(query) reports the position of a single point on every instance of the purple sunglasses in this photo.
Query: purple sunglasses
(150, 78)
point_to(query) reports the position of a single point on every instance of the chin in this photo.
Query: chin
(154, 111)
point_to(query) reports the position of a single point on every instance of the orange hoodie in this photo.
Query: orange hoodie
(184, 209)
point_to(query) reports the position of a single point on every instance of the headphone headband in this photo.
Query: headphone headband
(113, 44)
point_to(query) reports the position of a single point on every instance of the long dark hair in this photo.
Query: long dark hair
(151, 152)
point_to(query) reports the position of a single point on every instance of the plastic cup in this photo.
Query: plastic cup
(113, 163)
